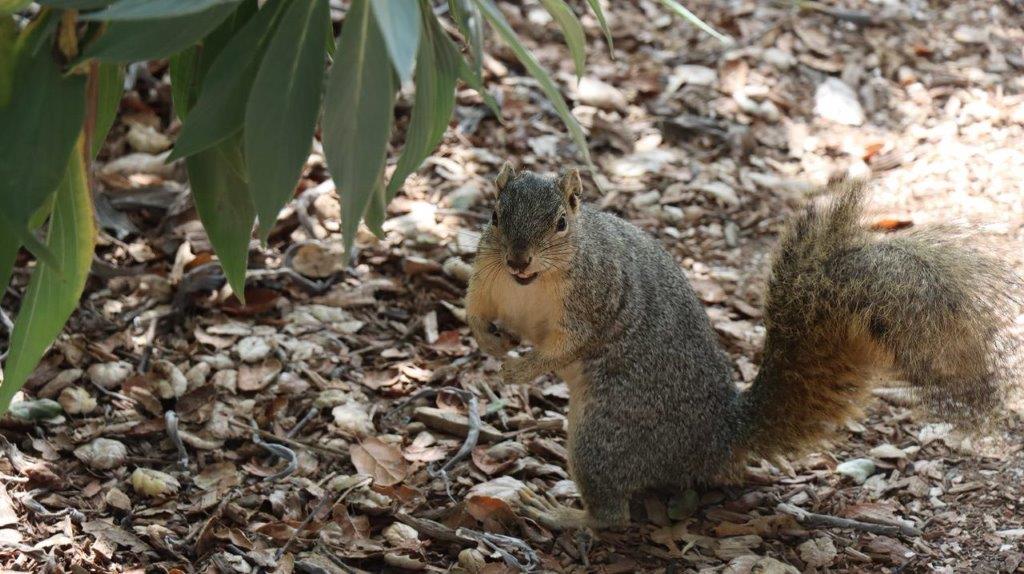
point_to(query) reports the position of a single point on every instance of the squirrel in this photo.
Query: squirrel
(652, 403)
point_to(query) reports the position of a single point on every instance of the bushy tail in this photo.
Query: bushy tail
(844, 306)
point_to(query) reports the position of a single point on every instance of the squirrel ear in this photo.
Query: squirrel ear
(571, 186)
(506, 175)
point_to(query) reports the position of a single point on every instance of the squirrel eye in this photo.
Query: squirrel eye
(494, 217)
(561, 225)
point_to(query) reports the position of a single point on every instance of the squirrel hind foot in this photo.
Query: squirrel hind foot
(560, 518)
(550, 514)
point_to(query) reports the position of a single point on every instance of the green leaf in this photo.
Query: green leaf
(183, 67)
(468, 75)
(9, 242)
(220, 111)
(11, 6)
(693, 19)
(399, 22)
(9, 246)
(8, 41)
(573, 31)
(154, 39)
(153, 9)
(40, 125)
(39, 32)
(283, 107)
(377, 211)
(51, 296)
(189, 66)
(76, 4)
(467, 18)
(595, 5)
(224, 205)
(111, 86)
(497, 19)
(215, 42)
(437, 68)
(357, 116)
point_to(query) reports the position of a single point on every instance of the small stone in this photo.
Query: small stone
(887, 451)
(594, 92)
(102, 454)
(401, 535)
(472, 560)
(858, 469)
(116, 498)
(970, 35)
(76, 401)
(818, 552)
(143, 138)
(456, 268)
(722, 192)
(353, 418)
(37, 410)
(154, 483)
(696, 75)
(171, 382)
(226, 380)
(645, 199)
(109, 375)
(837, 102)
(694, 213)
(708, 290)
(58, 383)
(252, 349)
(672, 214)
(198, 374)
(781, 59)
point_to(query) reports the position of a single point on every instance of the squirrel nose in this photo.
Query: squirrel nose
(519, 263)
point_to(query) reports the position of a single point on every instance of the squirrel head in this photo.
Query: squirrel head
(533, 223)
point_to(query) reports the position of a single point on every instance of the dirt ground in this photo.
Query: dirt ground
(704, 146)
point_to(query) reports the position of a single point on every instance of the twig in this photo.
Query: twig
(313, 411)
(36, 508)
(335, 559)
(496, 542)
(171, 420)
(472, 435)
(433, 529)
(8, 326)
(496, 401)
(306, 199)
(813, 519)
(314, 287)
(5, 321)
(474, 430)
(309, 518)
(291, 442)
(148, 351)
(112, 394)
(279, 450)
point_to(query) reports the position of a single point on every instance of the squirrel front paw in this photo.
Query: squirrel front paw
(495, 341)
(518, 371)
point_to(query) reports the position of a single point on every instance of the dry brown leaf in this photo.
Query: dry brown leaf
(380, 460)
(256, 377)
